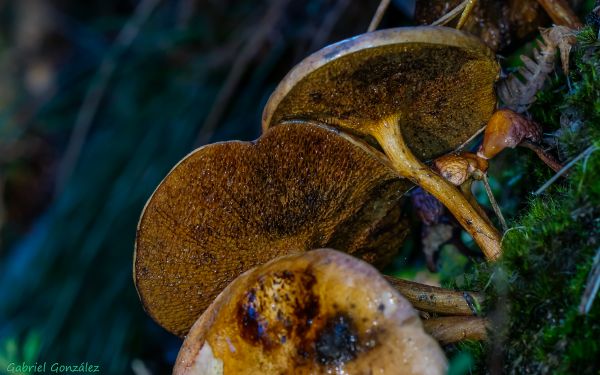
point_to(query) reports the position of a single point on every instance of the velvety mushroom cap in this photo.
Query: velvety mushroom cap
(314, 313)
(230, 206)
(440, 81)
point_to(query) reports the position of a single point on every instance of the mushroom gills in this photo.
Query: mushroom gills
(230, 206)
(415, 93)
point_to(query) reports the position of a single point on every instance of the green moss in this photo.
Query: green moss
(549, 250)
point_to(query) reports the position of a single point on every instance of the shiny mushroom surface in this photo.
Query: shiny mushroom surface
(230, 206)
(321, 312)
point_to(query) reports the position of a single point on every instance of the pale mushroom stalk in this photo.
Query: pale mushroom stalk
(389, 136)
(437, 300)
(451, 329)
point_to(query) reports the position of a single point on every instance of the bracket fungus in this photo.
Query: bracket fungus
(417, 93)
(230, 206)
(318, 312)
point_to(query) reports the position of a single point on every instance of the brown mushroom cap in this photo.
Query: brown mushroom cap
(313, 313)
(228, 207)
(440, 81)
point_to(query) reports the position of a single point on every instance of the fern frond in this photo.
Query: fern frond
(518, 91)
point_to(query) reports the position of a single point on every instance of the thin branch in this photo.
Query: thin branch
(564, 169)
(543, 155)
(592, 286)
(494, 203)
(466, 13)
(97, 89)
(239, 67)
(451, 329)
(451, 14)
(437, 300)
(465, 143)
(378, 16)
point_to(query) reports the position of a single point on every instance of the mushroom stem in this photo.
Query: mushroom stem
(451, 329)
(543, 155)
(389, 136)
(437, 300)
(494, 203)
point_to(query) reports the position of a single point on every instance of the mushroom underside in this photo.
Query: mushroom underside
(231, 206)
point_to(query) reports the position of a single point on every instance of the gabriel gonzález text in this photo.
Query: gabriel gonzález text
(55, 367)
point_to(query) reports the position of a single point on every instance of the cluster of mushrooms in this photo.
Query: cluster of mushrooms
(225, 246)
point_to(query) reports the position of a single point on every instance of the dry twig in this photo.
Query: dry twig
(564, 169)
(378, 16)
(452, 14)
(450, 329)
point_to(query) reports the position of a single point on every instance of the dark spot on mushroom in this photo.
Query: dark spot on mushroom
(337, 342)
(308, 307)
(252, 326)
(265, 319)
(381, 307)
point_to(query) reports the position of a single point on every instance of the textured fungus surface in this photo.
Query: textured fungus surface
(318, 312)
(438, 80)
(228, 207)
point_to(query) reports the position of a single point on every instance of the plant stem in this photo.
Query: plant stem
(376, 20)
(389, 136)
(494, 203)
(437, 300)
(466, 13)
(451, 14)
(564, 169)
(466, 189)
(543, 155)
(451, 329)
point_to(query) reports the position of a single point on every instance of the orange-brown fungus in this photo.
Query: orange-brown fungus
(230, 206)
(314, 313)
(507, 128)
(438, 81)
